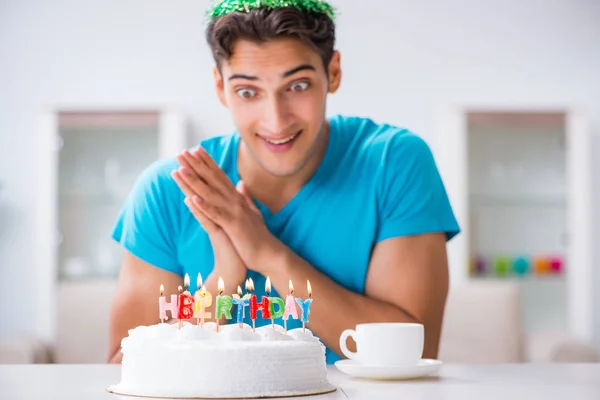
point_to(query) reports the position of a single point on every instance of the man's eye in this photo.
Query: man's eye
(299, 87)
(246, 93)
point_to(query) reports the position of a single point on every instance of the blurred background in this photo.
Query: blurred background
(507, 94)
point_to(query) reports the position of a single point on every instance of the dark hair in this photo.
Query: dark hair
(264, 24)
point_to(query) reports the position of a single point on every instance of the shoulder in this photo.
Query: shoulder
(222, 148)
(380, 144)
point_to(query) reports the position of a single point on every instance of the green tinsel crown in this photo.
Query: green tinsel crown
(224, 7)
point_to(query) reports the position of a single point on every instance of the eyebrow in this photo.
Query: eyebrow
(303, 67)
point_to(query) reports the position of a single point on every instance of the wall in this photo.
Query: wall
(403, 60)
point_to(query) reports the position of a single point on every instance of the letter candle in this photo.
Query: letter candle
(290, 307)
(305, 306)
(274, 301)
(186, 302)
(202, 300)
(242, 303)
(164, 306)
(224, 304)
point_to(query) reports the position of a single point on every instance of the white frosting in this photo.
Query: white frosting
(302, 334)
(165, 361)
(235, 333)
(271, 333)
(195, 332)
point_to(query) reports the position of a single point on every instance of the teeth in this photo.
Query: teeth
(282, 141)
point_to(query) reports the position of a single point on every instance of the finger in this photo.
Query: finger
(243, 190)
(210, 175)
(215, 213)
(199, 187)
(209, 226)
(185, 188)
(216, 171)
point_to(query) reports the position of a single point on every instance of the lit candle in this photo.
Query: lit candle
(165, 306)
(242, 303)
(274, 301)
(186, 302)
(224, 304)
(202, 300)
(305, 306)
(263, 306)
(290, 307)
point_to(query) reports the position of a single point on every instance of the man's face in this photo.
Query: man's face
(276, 92)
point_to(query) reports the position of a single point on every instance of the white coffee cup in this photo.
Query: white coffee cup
(385, 344)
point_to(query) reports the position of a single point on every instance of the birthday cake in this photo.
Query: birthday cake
(207, 360)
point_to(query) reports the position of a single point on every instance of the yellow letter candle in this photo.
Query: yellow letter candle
(202, 300)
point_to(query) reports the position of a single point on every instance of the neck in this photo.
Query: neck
(269, 188)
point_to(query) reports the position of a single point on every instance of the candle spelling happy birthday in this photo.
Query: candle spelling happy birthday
(305, 306)
(224, 304)
(242, 303)
(290, 307)
(274, 302)
(186, 302)
(164, 306)
(183, 306)
(202, 300)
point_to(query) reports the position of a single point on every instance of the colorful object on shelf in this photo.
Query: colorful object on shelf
(479, 266)
(556, 265)
(502, 266)
(541, 265)
(521, 265)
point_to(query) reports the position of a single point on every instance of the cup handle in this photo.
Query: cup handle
(343, 338)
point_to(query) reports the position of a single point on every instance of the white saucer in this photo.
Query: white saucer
(355, 369)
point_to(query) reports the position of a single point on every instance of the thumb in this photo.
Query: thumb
(243, 190)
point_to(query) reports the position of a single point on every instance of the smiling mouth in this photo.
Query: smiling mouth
(281, 141)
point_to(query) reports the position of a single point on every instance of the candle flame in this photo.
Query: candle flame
(247, 285)
(251, 284)
(179, 289)
(268, 285)
(186, 281)
(162, 289)
(221, 285)
(199, 280)
(239, 290)
(309, 288)
(291, 287)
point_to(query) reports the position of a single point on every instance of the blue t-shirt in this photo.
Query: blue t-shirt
(375, 182)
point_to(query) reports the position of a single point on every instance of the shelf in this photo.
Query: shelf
(484, 200)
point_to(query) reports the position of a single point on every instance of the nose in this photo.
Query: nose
(277, 117)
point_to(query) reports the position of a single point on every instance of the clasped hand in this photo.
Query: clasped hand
(219, 205)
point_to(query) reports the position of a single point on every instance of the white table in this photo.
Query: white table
(461, 382)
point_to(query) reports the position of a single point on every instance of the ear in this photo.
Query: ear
(219, 85)
(335, 72)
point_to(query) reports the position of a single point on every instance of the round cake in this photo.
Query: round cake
(164, 360)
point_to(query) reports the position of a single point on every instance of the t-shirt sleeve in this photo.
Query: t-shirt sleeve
(148, 223)
(412, 196)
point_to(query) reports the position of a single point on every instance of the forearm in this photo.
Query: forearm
(334, 308)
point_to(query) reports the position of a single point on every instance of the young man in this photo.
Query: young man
(356, 208)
